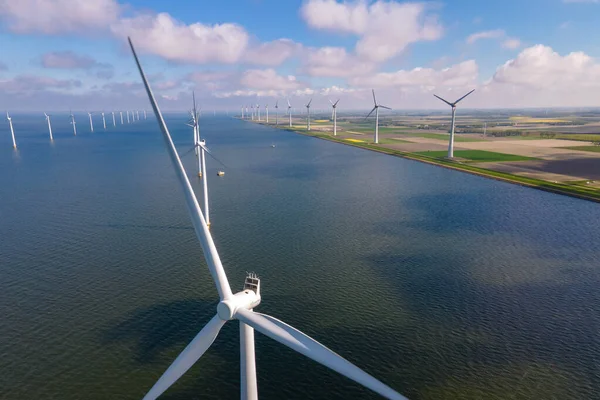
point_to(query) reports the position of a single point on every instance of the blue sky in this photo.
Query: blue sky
(538, 53)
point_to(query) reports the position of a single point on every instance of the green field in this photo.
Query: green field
(579, 136)
(477, 155)
(441, 136)
(594, 149)
(392, 141)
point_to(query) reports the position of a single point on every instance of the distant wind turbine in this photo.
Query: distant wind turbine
(334, 115)
(308, 115)
(289, 110)
(144, 114)
(453, 105)
(73, 123)
(91, 123)
(267, 111)
(258, 111)
(127, 116)
(103, 121)
(49, 125)
(242, 112)
(240, 306)
(114, 122)
(376, 109)
(138, 115)
(12, 131)
(277, 112)
(121, 112)
(252, 109)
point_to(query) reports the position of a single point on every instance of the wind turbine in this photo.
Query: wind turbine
(12, 131)
(289, 110)
(103, 121)
(127, 116)
(242, 112)
(308, 115)
(91, 123)
(252, 109)
(73, 123)
(453, 105)
(376, 109)
(240, 305)
(258, 111)
(334, 115)
(277, 112)
(144, 114)
(138, 115)
(267, 111)
(195, 125)
(114, 122)
(49, 125)
(121, 112)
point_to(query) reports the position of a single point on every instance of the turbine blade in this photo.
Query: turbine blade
(202, 233)
(335, 104)
(212, 155)
(456, 102)
(303, 344)
(450, 104)
(331, 101)
(308, 105)
(289, 105)
(374, 108)
(387, 108)
(374, 100)
(187, 358)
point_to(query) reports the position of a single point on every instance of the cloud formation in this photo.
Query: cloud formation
(67, 60)
(32, 83)
(268, 79)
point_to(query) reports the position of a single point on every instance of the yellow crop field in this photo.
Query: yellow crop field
(355, 140)
(321, 120)
(529, 120)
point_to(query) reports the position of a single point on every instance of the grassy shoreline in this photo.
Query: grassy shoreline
(557, 188)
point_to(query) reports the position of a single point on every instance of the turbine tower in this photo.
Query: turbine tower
(277, 112)
(91, 123)
(258, 110)
(376, 109)
(138, 115)
(114, 121)
(49, 125)
(103, 121)
(453, 105)
(127, 116)
(121, 112)
(240, 306)
(73, 123)
(334, 115)
(308, 115)
(242, 112)
(144, 114)
(289, 110)
(267, 111)
(12, 131)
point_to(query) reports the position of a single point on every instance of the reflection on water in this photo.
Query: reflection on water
(442, 284)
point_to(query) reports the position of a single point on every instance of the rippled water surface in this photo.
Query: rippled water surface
(442, 284)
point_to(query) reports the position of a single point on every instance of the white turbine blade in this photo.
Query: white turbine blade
(303, 344)
(374, 108)
(387, 108)
(202, 233)
(211, 154)
(187, 358)
(456, 102)
(308, 105)
(374, 100)
(331, 101)
(289, 105)
(335, 104)
(450, 104)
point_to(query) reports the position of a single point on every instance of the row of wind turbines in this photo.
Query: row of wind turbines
(255, 115)
(132, 116)
(239, 306)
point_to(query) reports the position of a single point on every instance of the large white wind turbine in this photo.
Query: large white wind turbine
(376, 109)
(289, 110)
(121, 112)
(73, 123)
(194, 123)
(144, 114)
(267, 111)
(242, 112)
(138, 115)
(453, 105)
(308, 115)
(240, 306)
(12, 131)
(114, 121)
(49, 125)
(127, 116)
(103, 121)
(277, 112)
(91, 123)
(334, 115)
(252, 111)
(258, 111)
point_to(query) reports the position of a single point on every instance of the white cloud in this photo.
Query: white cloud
(494, 34)
(268, 79)
(175, 41)
(334, 62)
(58, 16)
(385, 29)
(272, 53)
(459, 75)
(67, 60)
(32, 83)
(511, 43)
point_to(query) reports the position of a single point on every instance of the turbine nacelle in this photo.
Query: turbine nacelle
(247, 299)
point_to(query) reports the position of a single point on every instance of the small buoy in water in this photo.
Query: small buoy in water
(272, 145)
(220, 173)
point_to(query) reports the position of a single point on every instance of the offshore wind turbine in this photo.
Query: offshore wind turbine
(103, 121)
(49, 125)
(289, 110)
(91, 123)
(453, 105)
(242, 112)
(114, 122)
(277, 112)
(308, 115)
(121, 112)
(376, 109)
(267, 111)
(12, 131)
(73, 123)
(127, 116)
(334, 115)
(240, 306)
(258, 110)
(138, 115)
